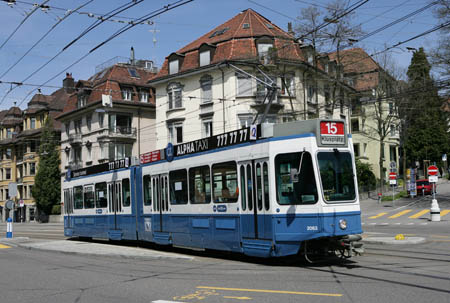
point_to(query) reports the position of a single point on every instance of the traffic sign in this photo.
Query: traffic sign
(392, 175)
(432, 170)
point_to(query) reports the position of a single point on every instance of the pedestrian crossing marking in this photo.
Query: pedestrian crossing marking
(419, 214)
(400, 214)
(4, 246)
(445, 212)
(377, 216)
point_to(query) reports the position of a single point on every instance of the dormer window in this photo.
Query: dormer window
(263, 49)
(173, 67)
(33, 123)
(126, 93)
(205, 58)
(82, 101)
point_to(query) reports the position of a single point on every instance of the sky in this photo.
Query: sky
(167, 33)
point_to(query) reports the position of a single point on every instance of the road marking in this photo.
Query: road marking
(439, 236)
(400, 214)
(419, 214)
(423, 223)
(163, 301)
(377, 216)
(4, 246)
(237, 298)
(273, 291)
(445, 212)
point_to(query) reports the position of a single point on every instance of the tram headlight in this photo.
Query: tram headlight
(343, 224)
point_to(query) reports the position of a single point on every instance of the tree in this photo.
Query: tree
(427, 132)
(441, 55)
(47, 183)
(366, 178)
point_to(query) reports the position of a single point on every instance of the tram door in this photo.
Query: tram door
(160, 187)
(115, 202)
(68, 207)
(255, 203)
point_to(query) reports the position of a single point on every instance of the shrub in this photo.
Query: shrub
(366, 177)
(56, 210)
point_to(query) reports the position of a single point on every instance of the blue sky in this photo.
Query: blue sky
(171, 31)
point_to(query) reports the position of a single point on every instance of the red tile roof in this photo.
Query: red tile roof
(233, 41)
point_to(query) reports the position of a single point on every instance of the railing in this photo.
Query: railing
(75, 165)
(75, 138)
(260, 97)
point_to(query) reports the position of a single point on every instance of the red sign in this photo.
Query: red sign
(432, 170)
(151, 157)
(392, 175)
(332, 133)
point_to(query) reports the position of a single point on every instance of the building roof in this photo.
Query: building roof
(12, 117)
(112, 81)
(235, 40)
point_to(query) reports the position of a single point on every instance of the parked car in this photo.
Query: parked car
(423, 186)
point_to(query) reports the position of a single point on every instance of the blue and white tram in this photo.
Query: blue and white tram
(267, 191)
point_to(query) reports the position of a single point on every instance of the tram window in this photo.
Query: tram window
(225, 182)
(336, 173)
(100, 195)
(89, 197)
(78, 197)
(301, 189)
(259, 186)
(147, 190)
(243, 189)
(266, 186)
(200, 185)
(178, 186)
(126, 192)
(250, 187)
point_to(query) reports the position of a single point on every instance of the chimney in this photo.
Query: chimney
(290, 31)
(69, 83)
(132, 56)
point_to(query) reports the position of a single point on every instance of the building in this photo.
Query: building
(20, 133)
(374, 120)
(225, 80)
(110, 116)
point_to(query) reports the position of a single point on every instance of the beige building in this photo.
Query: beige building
(374, 119)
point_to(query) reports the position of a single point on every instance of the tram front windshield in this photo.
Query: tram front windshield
(336, 173)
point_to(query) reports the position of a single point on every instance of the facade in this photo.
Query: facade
(224, 80)
(374, 121)
(108, 117)
(20, 133)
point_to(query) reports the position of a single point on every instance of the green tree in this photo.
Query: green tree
(366, 178)
(426, 134)
(47, 184)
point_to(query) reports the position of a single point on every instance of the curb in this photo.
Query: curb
(392, 241)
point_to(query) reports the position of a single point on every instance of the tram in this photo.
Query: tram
(268, 190)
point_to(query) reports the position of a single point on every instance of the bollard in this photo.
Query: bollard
(9, 228)
(435, 211)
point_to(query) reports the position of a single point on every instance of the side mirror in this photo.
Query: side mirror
(294, 175)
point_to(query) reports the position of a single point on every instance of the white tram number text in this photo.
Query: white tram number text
(231, 138)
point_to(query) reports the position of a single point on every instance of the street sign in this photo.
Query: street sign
(444, 157)
(9, 204)
(393, 164)
(392, 175)
(433, 179)
(393, 182)
(432, 170)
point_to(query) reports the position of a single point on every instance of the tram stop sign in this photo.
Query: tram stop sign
(432, 173)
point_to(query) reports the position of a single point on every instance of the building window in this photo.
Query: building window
(32, 169)
(101, 119)
(7, 173)
(143, 96)
(393, 153)
(67, 127)
(311, 93)
(391, 108)
(207, 128)
(8, 133)
(174, 95)
(288, 85)
(173, 67)
(119, 151)
(175, 131)
(126, 94)
(89, 153)
(327, 94)
(103, 150)
(393, 130)
(356, 149)
(89, 122)
(33, 123)
(264, 48)
(205, 58)
(81, 101)
(8, 154)
(78, 126)
(120, 124)
(206, 89)
(244, 85)
(245, 120)
(355, 125)
(77, 154)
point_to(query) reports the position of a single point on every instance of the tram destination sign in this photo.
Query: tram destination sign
(231, 138)
(95, 169)
(332, 133)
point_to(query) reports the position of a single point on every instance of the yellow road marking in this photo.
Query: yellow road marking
(4, 246)
(419, 214)
(400, 214)
(237, 298)
(440, 240)
(377, 216)
(439, 236)
(273, 291)
(445, 212)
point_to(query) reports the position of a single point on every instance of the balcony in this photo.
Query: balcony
(75, 139)
(119, 132)
(74, 165)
